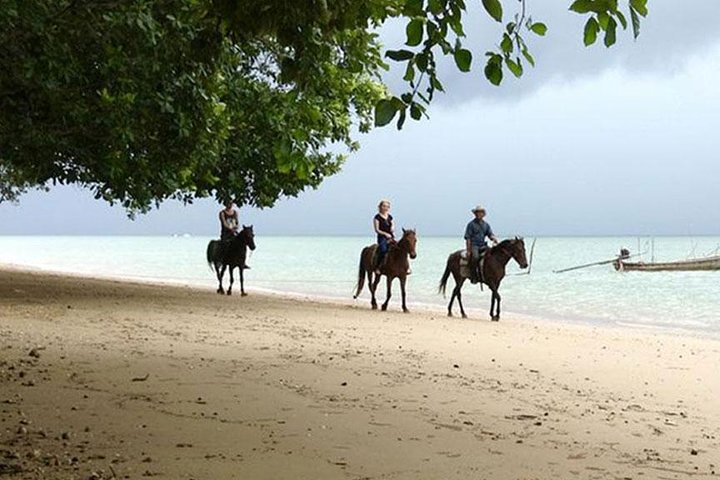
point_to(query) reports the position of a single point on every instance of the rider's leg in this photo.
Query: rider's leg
(382, 252)
(475, 264)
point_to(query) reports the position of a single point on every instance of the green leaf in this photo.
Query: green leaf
(603, 20)
(623, 20)
(399, 55)
(385, 111)
(514, 67)
(413, 7)
(493, 70)
(436, 83)
(635, 22)
(457, 26)
(591, 30)
(494, 9)
(506, 44)
(414, 32)
(435, 6)
(539, 28)
(415, 111)
(409, 72)
(528, 56)
(463, 59)
(640, 6)
(610, 33)
(582, 6)
(422, 61)
(401, 119)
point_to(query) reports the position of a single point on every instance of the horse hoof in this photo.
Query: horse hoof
(374, 307)
(229, 292)
(450, 314)
(405, 310)
(220, 291)
(496, 318)
(464, 316)
(243, 294)
(383, 308)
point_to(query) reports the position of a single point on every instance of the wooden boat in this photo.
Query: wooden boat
(695, 264)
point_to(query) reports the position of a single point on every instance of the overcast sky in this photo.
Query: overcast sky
(590, 142)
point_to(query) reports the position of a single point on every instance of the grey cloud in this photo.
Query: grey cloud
(672, 32)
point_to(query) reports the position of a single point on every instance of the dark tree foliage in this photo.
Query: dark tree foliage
(147, 100)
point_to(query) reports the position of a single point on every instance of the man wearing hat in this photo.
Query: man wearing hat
(475, 233)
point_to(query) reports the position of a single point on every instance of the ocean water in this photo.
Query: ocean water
(327, 267)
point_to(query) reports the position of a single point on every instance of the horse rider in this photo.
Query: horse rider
(229, 226)
(384, 227)
(229, 221)
(475, 234)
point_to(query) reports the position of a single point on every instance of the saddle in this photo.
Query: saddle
(465, 265)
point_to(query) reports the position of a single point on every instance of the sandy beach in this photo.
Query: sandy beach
(106, 379)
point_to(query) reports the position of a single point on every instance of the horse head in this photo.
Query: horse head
(517, 251)
(248, 236)
(409, 239)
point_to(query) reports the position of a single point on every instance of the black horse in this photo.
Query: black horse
(231, 253)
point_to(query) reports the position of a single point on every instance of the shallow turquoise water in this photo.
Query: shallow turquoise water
(327, 266)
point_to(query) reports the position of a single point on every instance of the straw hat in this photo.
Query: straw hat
(478, 208)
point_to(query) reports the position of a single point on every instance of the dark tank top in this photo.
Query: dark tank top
(384, 224)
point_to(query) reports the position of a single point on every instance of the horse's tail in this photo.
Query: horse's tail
(209, 253)
(444, 279)
(361, 277)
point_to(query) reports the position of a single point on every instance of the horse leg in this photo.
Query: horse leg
(459, 297)
(220, 272)
(232, 280)
(373, 288)
(492, 305)
(497, 310)
(452, 300)
(242, 283)
(403, 279)
(389, 293)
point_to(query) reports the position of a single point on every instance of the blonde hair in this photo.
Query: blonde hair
(380, 204)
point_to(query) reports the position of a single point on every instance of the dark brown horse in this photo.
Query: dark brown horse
(232, 254)
(494, 264)
(396, 265)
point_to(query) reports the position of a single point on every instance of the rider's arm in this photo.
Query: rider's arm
(376, 226)
(392, 227)
(492, 236)
(468, 239)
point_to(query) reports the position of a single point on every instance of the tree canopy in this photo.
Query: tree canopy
(147, 100)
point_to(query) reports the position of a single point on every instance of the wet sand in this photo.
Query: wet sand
(103, 379)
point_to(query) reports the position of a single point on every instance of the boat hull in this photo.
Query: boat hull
(700, 264)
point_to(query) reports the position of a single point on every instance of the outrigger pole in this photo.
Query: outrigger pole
(604, 262)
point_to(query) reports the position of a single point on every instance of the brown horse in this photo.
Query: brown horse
(396, 265)
(496, 259)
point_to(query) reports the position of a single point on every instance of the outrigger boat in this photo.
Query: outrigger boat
(621, 264)
(695, 264)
